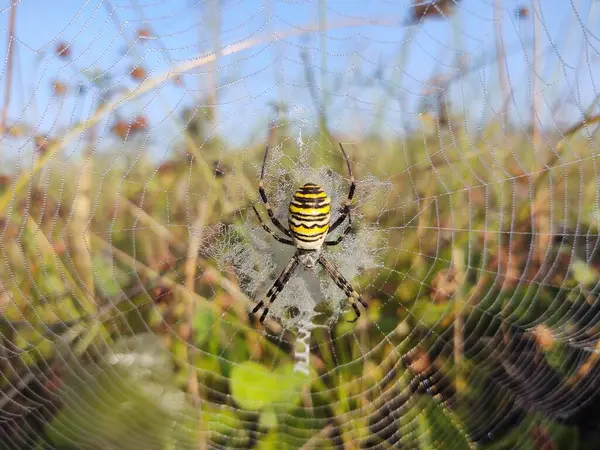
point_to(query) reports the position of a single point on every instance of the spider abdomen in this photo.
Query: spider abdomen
(309, 215)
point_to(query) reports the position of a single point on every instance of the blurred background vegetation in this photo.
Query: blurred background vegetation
(117, 332)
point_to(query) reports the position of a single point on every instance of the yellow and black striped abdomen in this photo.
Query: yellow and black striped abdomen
(309, 216)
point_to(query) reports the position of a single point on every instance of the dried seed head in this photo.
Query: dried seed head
(421, 9)
(59, 88)
(144, 33)
(543, 336)
(139, 123)
(522, 12)
(178, 80)
(138, 73)
(42, 142)
(63, 50)
(121, 129)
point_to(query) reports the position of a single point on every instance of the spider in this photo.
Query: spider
(309, 226)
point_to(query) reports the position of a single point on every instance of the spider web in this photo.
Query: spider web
(251, 253)
(133, 136)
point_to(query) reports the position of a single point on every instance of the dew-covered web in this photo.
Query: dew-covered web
(257, 259)
(133, 135)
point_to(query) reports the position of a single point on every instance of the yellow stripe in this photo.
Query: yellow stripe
(310, 211)
(308, 231)
(317, 195)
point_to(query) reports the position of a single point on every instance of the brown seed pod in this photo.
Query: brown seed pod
(139, 123)
(159, 294)
(219, 169)
(432, 9)
(542, 438)
(63, 50)
(522, 12)
(121, 129)
(144, 33)
(444, 285)
(419, 362)
(543, 336)
(138, 73)
(59, 247)
(59, 88)
(178, 80)
(42, 142)
(166, 167)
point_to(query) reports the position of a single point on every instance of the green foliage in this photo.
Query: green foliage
(109, 409)
(255, 387)
(431, 315)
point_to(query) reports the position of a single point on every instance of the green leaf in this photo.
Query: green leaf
(583, 273)
(273, 441)
(439, 428)
(221, 421)
(268, 419)
(425, 441)
(203, 324)
(429, 313)
(110, 279)
(255, 387)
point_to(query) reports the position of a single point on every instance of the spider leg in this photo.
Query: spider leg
(271, 232)
(263, 196)
(340, 238)
(272, 293)
(343, 284)
(345, 210)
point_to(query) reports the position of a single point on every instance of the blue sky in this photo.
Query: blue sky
(102, 37)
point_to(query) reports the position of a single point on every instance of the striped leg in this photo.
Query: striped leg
(263, 196)
(346, 206)
(340, 238)
(277, 287)
(271, 232)
(343, 284)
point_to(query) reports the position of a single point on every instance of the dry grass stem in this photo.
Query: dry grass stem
(9, 67)
(504, 87)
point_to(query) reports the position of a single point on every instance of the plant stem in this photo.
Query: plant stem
(542, 215)
(504, 88)
(323, 46)
(9, 67)
(537, 46)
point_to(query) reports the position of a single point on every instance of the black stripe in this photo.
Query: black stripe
(352, 187)
(261, 191)
(311, 189)
(309, 223)
(308, 219)
(275, 289)
(315, 225)
(301, 216)
(303, 238)
(313, 202)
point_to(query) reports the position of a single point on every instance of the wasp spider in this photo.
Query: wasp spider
(309, 226)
